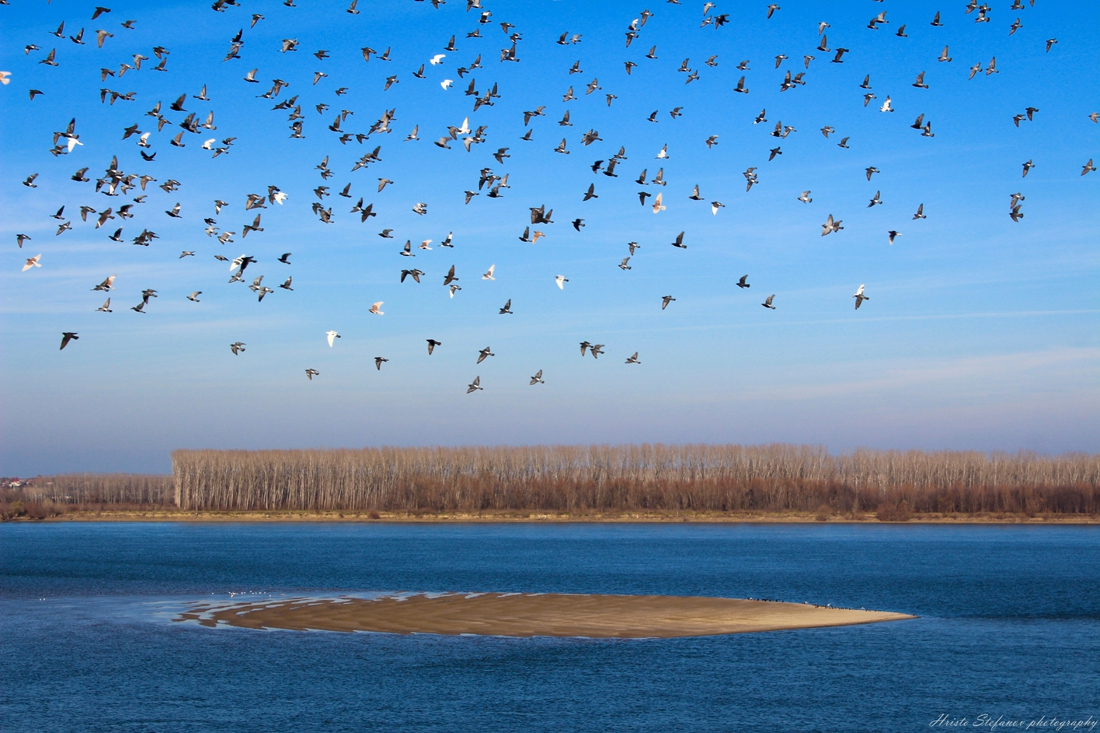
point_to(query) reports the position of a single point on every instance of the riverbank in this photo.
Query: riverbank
(171, 514)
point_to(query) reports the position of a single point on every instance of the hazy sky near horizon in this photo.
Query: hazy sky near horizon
(980, 332)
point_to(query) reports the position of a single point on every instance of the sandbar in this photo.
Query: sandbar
(532, 614)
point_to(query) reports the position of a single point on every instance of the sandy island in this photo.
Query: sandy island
(522, 614)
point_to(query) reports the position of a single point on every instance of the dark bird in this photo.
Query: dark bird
(66, 337)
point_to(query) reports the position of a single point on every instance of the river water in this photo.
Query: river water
(1008, 631)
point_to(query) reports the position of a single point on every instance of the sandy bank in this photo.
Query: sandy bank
(595, 616)
(171, 514)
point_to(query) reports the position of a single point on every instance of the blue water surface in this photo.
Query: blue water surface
(1008, 628)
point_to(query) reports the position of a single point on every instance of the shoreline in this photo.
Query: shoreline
(535, 517)
(594, 616)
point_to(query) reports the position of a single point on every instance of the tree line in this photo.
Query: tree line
(769, 478)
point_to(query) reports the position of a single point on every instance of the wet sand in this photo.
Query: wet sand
(497, 614)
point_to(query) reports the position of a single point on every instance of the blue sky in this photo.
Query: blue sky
(980, 332)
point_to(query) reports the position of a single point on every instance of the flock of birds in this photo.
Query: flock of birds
(131, 187)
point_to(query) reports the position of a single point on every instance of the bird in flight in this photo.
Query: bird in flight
(768, 303)
(121, 185)
(474, 386)
(66, 337)
(860, 297)
(537, 379)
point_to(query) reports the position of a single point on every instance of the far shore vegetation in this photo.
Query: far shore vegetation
(579, 483)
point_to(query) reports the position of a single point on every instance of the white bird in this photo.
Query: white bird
(561, 280)
(657, 205)
(5, 77)
(375, 309)
(437, 59)
(886, 105)
(489, 274)
(860, 297)
(33, 262)
(446, 83)
(664, 152)
(332, 336)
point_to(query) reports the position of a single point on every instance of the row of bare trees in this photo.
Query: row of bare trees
(774, 478)
(89, 489)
